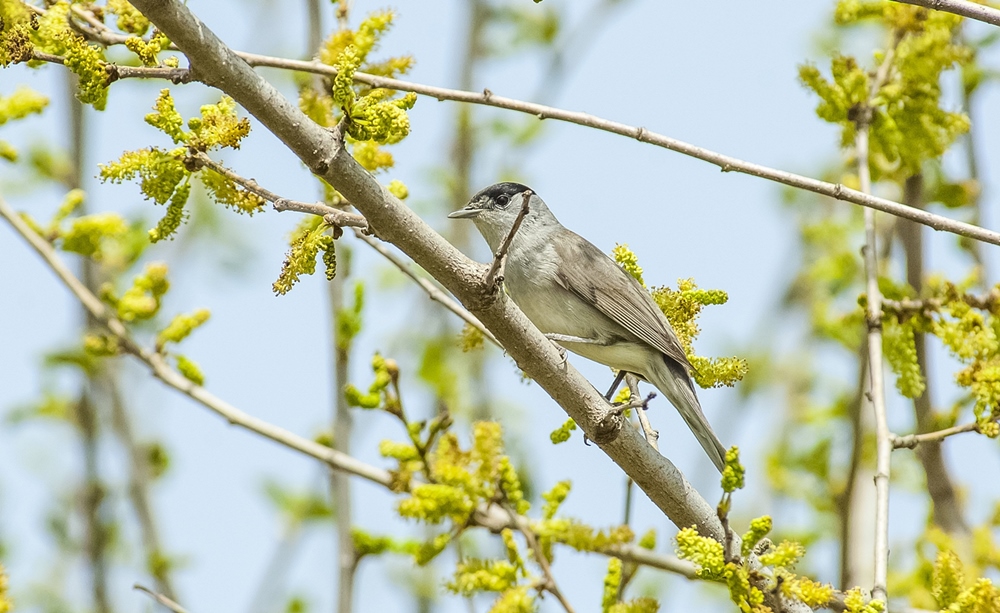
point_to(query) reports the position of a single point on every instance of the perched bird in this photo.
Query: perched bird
(582, 300)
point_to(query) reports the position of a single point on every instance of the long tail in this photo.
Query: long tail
(677, 386)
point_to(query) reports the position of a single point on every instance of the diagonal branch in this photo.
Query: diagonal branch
(491, 518)
(322, 151)
(725, 162)
(549, 583)
(964, 8)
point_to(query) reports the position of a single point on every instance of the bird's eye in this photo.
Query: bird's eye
(503, 200)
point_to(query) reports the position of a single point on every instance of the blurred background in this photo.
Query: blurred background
(719, 74)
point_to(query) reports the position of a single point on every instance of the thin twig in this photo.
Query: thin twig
(883, 437)
(543, 562)
(501, 254)
(913, 306)
(340, 218)
(331, 215)
(724, 162)
(964, 8)
(160, 598)
(433, 291)
(174, 379)
(912, 440)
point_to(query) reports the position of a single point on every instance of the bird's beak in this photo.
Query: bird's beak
(465, 213)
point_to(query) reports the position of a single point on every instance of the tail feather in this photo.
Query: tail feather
(676, 385)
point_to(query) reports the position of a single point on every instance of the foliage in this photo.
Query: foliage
(5, 603)
(441, 478)
(908, 125)
(54, 35)
(681, 308)
(308, 239)
(23, 102)
(165, 175)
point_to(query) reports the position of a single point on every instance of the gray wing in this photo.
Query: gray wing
(619, 296)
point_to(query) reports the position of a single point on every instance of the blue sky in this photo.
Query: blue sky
(719, 74)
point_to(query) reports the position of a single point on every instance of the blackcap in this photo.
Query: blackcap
(582, 300)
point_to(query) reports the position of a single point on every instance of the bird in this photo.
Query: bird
(583, 301)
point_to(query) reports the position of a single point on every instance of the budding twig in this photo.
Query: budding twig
(549, 583)
(910, 441)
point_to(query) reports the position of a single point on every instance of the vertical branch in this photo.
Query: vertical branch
(463, 147)
(314, 26)
(340, 483)
(138, 491)
(972, 163)
(876, 378)
(95, 536)
(947, 509)
(266, 598)
(849, 503)
(92, 497)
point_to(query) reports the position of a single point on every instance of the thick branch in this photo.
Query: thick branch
(964, 8)
(491, 518)
(322, 151)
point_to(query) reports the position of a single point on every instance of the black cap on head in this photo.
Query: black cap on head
(488, 196)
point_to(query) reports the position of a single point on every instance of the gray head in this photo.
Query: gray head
(495, 208)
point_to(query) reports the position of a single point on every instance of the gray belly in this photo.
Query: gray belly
(555, 310)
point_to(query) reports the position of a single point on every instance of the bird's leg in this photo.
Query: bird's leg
(614, 386)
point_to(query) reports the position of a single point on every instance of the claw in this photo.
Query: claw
(562, 355)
